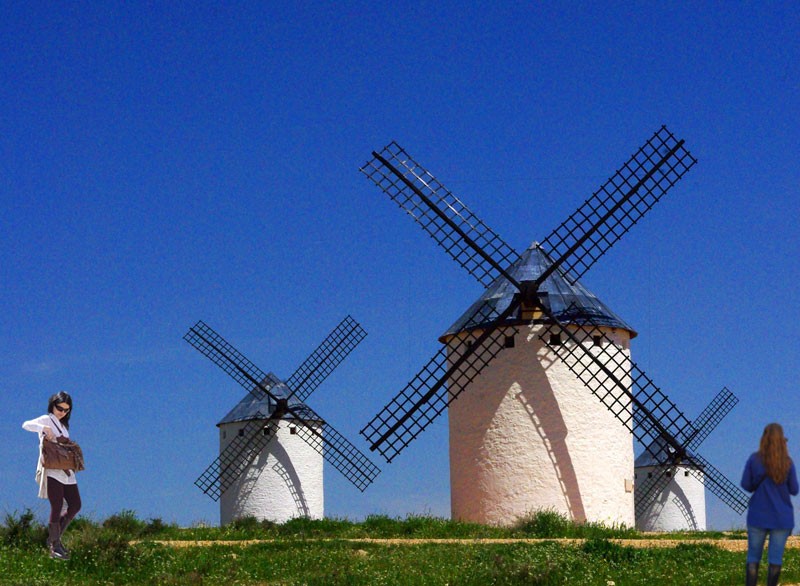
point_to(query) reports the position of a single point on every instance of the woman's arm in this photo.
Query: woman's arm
(40, 425)
(792, 481)
(748, 482)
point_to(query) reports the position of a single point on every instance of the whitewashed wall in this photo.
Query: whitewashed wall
(527, 435)
(284, 482)
(680, 505)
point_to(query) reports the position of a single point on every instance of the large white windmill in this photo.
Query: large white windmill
(541, 366)
(523, 436)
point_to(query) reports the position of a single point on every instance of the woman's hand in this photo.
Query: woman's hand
(48, 434)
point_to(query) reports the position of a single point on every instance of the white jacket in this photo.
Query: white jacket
(42, 474)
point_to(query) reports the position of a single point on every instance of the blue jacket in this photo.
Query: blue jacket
(770, 505)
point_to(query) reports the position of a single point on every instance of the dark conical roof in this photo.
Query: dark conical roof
(251, 407)
(562, 294)
(658, 453)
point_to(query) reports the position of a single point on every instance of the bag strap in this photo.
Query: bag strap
(58, 427)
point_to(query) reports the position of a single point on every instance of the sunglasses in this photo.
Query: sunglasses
(61, 409)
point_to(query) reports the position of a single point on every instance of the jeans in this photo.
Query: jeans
(755, 544)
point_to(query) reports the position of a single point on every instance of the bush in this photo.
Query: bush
(125, 523)
(550, 524)
(545, 524)
(23, 531)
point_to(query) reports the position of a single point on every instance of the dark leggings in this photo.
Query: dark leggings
(56, 494)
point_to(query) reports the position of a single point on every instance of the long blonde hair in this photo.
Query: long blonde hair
(774, 453)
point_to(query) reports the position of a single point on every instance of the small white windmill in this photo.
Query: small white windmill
(285, 479)
(271, 443)
(670, 492)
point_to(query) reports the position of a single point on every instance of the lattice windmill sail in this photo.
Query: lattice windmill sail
(567, 334)
(271, 442)
(667, 494)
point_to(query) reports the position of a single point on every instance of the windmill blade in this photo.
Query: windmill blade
(711, 416)
(714, 412)
(703, 425)
(323, 361)
(230, 360)
(718, 484)
(335, 448)
(702, 470)
(467, 240)
(436, 385)
(237, 456)
(619, 203)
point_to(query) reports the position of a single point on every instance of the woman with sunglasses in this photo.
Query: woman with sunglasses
(770, 475)
(56, 485)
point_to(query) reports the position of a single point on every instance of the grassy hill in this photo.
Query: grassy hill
(541, 549)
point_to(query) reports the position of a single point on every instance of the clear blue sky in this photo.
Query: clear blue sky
(169, 163)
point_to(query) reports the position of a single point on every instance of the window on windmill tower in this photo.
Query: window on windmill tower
(292, 430)
(555, 340)
(509, 343)
(597, 339)
(241, 432)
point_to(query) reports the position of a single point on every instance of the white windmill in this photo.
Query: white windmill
(526, 358)
(670, 492)
(285, 479)
(523, 436)
(272, 444)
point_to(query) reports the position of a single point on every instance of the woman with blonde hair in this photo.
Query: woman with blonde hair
(770, 475)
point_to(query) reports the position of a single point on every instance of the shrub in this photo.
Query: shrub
(545, 524)
(157, 526)
(125, 523)
(23, 531)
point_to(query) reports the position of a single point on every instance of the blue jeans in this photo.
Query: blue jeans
(755, 544)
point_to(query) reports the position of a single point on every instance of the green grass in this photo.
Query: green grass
(123, 550)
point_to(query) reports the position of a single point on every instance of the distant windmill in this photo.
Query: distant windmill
(272, 443)
(526, 436)
(667, 493)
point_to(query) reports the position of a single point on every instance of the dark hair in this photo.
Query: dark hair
(61, 397)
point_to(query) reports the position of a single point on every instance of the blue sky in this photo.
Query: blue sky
(165, 163)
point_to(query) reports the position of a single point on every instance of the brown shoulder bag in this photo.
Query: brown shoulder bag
(62, 454)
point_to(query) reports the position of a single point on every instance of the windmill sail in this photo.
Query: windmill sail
(619, 203)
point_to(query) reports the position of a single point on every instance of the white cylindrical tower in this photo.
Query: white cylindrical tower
(284, 481)
(527, 435)
(671, 499)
